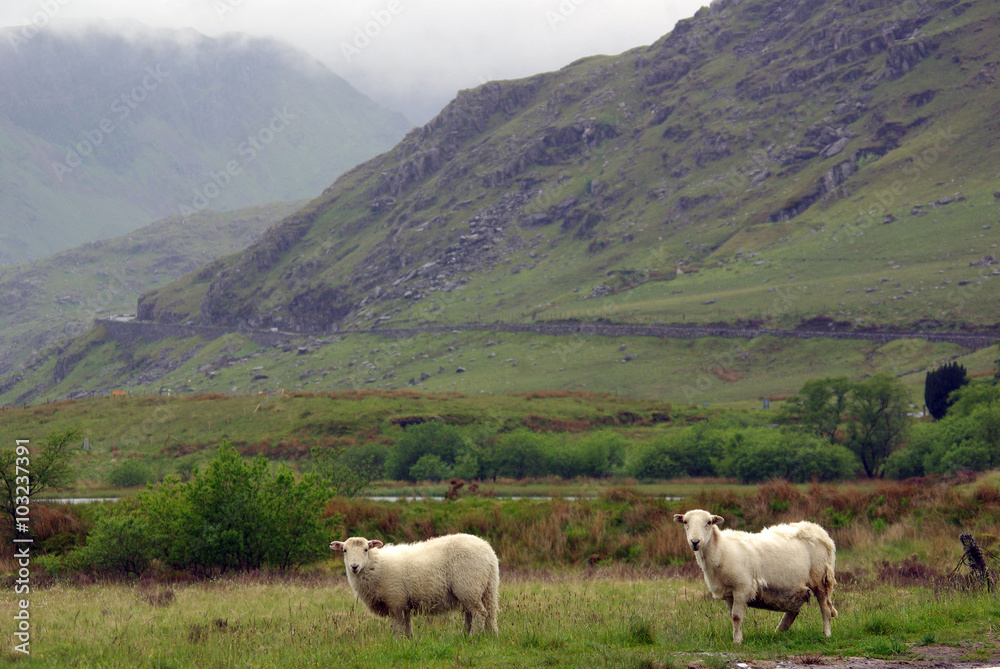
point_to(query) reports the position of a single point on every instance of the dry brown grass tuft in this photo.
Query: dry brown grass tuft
(159, 596)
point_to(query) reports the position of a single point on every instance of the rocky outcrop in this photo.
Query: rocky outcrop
(902, 58)
(620, 153)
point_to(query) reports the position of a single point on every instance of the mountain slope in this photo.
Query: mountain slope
(58, 297)
(767, 161)
(105, 129)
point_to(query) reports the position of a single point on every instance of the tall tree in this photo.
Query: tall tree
(46, 467)
(877, 422)
(819, 406)
(940, 384)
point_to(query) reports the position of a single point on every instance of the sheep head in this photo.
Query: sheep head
(699, 526)
(356, 555)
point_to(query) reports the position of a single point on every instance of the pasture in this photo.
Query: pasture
(646, 606)
(585, 618)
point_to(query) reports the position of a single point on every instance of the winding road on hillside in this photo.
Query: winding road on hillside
(127, 330)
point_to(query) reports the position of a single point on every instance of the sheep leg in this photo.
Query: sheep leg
(826, 607)
(490, 605)
(491, 621)
(823, 596)
(401, 624)
(475, 618)
(786, 620)
(737, 612)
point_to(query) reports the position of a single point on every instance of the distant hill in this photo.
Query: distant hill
(57, 298)
(103, 130)
(791, 164)
(769, 161)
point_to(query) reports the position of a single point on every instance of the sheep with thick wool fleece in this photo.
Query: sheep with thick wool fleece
(778, 568)
(433, 576)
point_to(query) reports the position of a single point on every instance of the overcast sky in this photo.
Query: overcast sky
(411, 55)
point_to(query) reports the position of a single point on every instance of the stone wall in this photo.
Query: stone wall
(132, 331)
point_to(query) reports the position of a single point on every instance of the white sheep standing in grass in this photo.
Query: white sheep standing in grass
(778, 568)
(433, 576)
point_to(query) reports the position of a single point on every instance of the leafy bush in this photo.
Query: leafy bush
(520, 454)
(429, 468)
(759, 454)
(967, 438)
(236, 515)
(654, 462)
(467, 466)
(130, 474)
(118, 545)
(600, 454)
(434, 437)
(348, 472)
(691, 452)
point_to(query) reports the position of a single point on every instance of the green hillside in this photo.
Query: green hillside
(788, 165)
(754, 165)
(105, 129)
(48, 301)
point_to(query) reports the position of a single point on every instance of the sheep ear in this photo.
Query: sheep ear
(337, 545)
(718, 520)
(679, 518)
(375, 543)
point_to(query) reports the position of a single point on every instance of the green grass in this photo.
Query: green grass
(167, 430)
(682, 371)
(818, 264)
(60, 296)
(835, 260)
(546, 619)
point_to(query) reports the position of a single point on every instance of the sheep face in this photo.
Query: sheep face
(356, 552)
(698, 526)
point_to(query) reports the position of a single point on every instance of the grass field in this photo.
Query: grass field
(171, 433)
(585, 583)
(164, 432)
(547, 619)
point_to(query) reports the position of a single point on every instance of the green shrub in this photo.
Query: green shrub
(236, 515)
(600, 454)
(654, 462)
(348, 472)
(520, 454)
(130, 474)
(429, 468)
(467, 466)
(186, 469)
(692, 452)
(760, 454)
(434, 437)
(968, 438)
(119, 545)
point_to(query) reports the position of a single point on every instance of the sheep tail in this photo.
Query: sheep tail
(829, 581)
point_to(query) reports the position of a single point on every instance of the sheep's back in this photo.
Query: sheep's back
(431, 568)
